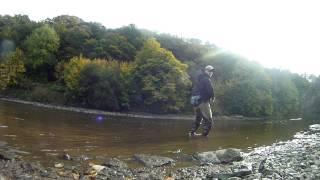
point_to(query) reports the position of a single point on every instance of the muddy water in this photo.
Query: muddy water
(47, 134)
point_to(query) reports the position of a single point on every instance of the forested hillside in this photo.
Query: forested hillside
(67, 61)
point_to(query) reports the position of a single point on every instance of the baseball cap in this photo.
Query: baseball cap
(209, 68)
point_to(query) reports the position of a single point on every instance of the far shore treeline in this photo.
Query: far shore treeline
(67, 61)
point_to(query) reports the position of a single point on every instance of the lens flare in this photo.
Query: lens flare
(99, 118)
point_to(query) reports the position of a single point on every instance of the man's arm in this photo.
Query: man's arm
(209, 89)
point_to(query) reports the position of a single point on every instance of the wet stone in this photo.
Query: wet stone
(229, 155)
(115, 163)
(150, 173)
(207, 157)
(184, 157)
(234, 178)
(315, 127)
(241, 172)
(66, 157)
(253, 176)
(108, 173)
(153, 161)
(6, 155)
(58, 165)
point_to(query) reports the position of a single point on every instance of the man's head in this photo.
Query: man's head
(209, 70)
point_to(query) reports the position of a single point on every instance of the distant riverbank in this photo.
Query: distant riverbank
(123, 114)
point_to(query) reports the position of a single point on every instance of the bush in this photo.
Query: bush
(11, 69)
(160, 79)
(98, 83)
(43, 93)
(72, 71)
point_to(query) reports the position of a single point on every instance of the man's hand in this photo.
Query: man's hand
(212, 100)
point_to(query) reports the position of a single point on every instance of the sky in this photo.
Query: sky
(283, 34)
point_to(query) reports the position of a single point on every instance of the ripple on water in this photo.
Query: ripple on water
(10, 135)
(52, 154)
(90, 146)
(48, 150)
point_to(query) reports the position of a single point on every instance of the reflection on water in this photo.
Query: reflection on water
(48, 133)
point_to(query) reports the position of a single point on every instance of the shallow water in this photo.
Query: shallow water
(47, 134)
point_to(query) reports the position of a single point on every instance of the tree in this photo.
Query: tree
(15, 29)
(161, 80)
(73, 33)
(248, 92)
(134, 39)
(311, 104)
(284, 93)
(302, 84)
(99, 86)
(72, 71)
(97, 83)
(11, 68)
(41, 47)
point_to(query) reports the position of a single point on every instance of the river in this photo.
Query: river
(47, 134)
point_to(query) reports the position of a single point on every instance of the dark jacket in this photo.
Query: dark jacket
(203, 87)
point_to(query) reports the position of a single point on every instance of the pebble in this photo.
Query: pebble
(58, 165)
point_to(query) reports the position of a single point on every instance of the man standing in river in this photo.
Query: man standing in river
(204, 90)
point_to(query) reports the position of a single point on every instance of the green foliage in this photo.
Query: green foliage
(41, 47)
(11, 68)
(312, 100)
(133, 35)
(15, 29)
(98, 87)
(285, 94)
(116, 46)
(161, 79)
(74, 34)
(184, 49)
(302, 84)
(247, 91)
(98, 83)
(95, 41)
(72, 71)
(45, 93)
(64, 50)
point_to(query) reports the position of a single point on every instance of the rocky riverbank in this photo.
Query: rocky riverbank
(295, 159)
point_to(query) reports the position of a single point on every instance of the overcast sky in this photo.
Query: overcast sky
(283, 34)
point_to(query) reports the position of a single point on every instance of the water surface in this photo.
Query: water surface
(47, 134)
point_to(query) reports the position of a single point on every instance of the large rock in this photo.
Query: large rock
(153, 161)
(181, 157)
(115, 163)
(229, 155)
(315, 127)
(241, 172)
(207, 157)
(6, 155)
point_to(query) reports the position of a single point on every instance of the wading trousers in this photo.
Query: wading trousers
(204, 114)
